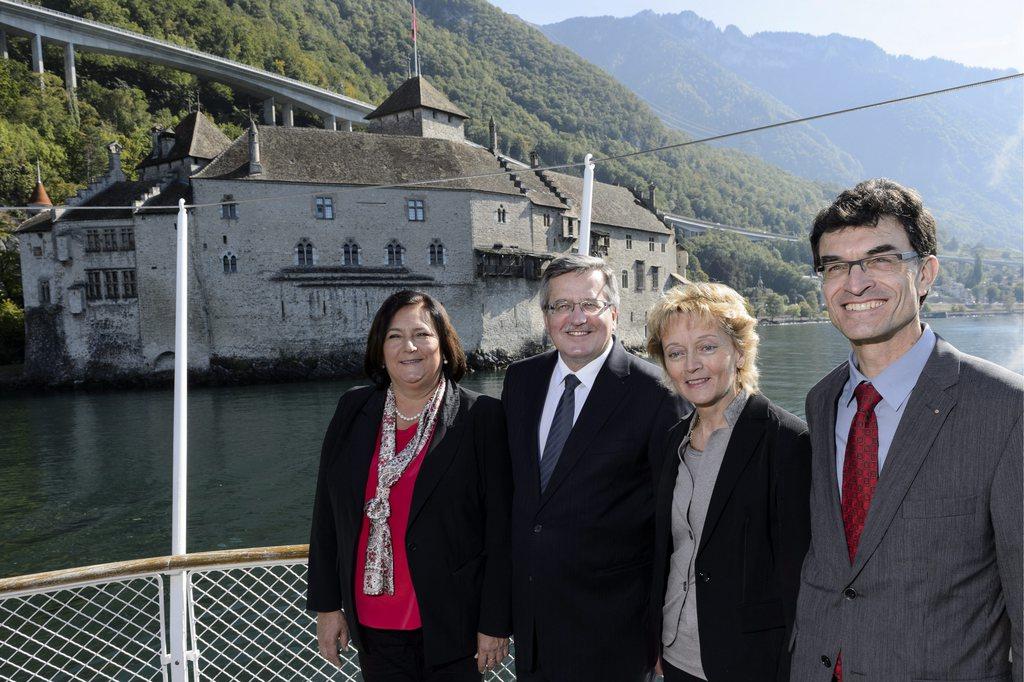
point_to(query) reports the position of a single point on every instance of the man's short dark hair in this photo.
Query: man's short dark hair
(453, 357)
(869, 202)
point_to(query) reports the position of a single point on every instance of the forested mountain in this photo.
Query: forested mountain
(963, 151)
(543, 96)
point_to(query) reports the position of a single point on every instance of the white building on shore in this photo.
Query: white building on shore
(294, 246)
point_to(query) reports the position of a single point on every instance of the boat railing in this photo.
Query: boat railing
(245, 620)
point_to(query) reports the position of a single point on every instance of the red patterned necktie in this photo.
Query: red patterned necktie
(860, 474)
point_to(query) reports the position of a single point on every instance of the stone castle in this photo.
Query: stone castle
(296, 239)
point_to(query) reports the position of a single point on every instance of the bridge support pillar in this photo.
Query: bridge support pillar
(37, 57)
(3, 44)
(269, 112)
(287, 114)
(330, 122)
(70, 75)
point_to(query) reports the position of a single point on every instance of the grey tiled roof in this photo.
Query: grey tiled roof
(412, 94)
(195, 136)
(316, 156)
(118, 194)
(612, 205)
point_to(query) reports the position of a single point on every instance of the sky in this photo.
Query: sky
(986, 33)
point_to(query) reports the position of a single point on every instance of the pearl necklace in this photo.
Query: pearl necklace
(416, 417)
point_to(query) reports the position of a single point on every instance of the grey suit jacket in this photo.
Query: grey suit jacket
(934, 592)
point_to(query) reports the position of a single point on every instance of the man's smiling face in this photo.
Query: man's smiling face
(872, 307)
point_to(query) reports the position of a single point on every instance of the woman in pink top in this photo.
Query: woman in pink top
(409, 550)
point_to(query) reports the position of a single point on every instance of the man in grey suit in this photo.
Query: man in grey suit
(914, 568)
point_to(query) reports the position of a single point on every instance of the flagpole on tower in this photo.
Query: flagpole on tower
(415, 46)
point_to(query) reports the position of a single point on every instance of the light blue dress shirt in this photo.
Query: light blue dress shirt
(894, 384)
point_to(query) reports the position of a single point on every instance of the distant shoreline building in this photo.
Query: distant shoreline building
(293, 247)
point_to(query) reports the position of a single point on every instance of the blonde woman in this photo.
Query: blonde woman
(732, 502)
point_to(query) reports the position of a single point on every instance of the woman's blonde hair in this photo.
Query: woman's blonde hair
(712, 304)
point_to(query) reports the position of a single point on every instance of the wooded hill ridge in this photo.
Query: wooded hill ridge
(543, 96)
(963, 151)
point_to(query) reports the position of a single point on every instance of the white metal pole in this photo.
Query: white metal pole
(588, 196)
(415, 40)
(177, 635)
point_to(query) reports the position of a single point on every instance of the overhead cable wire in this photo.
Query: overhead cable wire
(517, 169)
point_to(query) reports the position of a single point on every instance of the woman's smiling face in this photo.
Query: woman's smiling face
(701, 360)
(412, 350)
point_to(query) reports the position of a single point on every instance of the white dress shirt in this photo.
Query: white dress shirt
(587, 375)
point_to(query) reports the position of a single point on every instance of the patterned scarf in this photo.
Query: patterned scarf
(378, 576)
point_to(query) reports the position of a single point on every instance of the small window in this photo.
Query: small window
(230, 263)
(324, 208)
(663, 247)
(304, 254)
(654, 278)
(110, 284)
(127, 238)
(393, 254)
(415, 210)
(44, 292)
(450, 118)
(92, 241)
(37, 251)
(547, 220)
(350, 254)
(109, 239)
(94, 290)
(437, 253)
(625, 279)
(629, 241)
(502, 214)
(228, 209)
(650, 243)
(128, 284)
(569, 225)
(638, 275)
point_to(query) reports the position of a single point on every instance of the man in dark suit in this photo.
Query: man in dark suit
(914, 569)
(587, 424)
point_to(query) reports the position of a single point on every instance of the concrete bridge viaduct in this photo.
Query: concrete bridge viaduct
(281, 95)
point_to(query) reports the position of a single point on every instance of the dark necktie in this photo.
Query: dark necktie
(860, 474)
(561, 425)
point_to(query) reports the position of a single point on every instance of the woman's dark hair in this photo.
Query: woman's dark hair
(452, 355)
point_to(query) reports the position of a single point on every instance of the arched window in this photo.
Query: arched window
(394, 253)
(501, 213)
(304, 253)
(438, 254)
(230, 263)
(350, 253)
(625, 279)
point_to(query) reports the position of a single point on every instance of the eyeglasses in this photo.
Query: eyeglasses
(589, 306)
(881, 264)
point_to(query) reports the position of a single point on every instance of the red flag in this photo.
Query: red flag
(414, 27)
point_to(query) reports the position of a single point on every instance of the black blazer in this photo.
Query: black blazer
(582, 551)
(752, 546)
(457, 539)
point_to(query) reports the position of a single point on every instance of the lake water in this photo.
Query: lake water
(85, 476)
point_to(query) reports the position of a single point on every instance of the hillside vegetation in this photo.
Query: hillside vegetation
(543, 96)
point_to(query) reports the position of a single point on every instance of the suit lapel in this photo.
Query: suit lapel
(361, 443)
(534, 395)
(824, 440)
(606, 394)
(746, 436)
(437, 459)
(927, 408)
